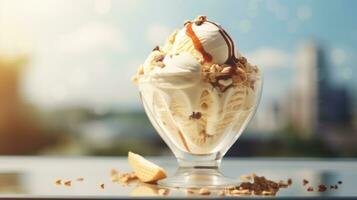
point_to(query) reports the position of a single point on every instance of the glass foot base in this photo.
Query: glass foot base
(198, 178)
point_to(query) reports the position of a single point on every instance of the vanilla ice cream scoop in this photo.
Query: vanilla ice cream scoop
(207, 41)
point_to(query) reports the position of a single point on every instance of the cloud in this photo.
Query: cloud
(244, 25)
(157, 33)
(95, 36)
(304, 12)
(268, 57)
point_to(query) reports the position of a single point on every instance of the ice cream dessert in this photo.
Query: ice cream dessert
(197, 89)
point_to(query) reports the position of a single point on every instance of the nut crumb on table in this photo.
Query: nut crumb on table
(310, 189)
(68, 183)
(58, 182)
(80, 179)
(162, 192)
(204, 191)
(305, 182)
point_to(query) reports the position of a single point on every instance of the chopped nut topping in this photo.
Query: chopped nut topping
(102, 186)
(159, 58)
(157, 48)
(140, 70)
(204, 191)
(200, 19)
(241, 73)
(195, 115)
(225, 82)
(290, 182)
(226, 70)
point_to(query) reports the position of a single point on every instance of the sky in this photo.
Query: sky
(83, 52)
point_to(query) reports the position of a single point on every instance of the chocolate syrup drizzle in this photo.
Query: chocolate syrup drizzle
(231, 60)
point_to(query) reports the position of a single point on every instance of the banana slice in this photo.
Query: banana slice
(161, 110)
(145, 170)
(235, 100)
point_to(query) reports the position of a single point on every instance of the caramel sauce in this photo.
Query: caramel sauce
(197, 43)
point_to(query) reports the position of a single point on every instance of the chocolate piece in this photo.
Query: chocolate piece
(195, 115)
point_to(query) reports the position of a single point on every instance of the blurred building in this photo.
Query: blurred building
(316, 103)
(304, 109)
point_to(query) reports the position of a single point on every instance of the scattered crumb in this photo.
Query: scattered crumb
(334, 187)
(339, 182)
(305, 182)
(246, 177)
(102, 186)
(322, 188)
(58, 182)
(123, 178)
(68, 183)
(190, 191)
(80, 179)
(310, 189)
(114, 172)
(204, 191)
(240, 192)
(267, 193)
(282, 184)
(162, 192)
(258, 185)
(221, 193)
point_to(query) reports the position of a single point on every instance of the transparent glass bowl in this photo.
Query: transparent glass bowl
(198, 122)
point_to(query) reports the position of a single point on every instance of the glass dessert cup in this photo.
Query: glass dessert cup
(198, 122)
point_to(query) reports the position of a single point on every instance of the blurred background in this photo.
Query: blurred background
(65, 69)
